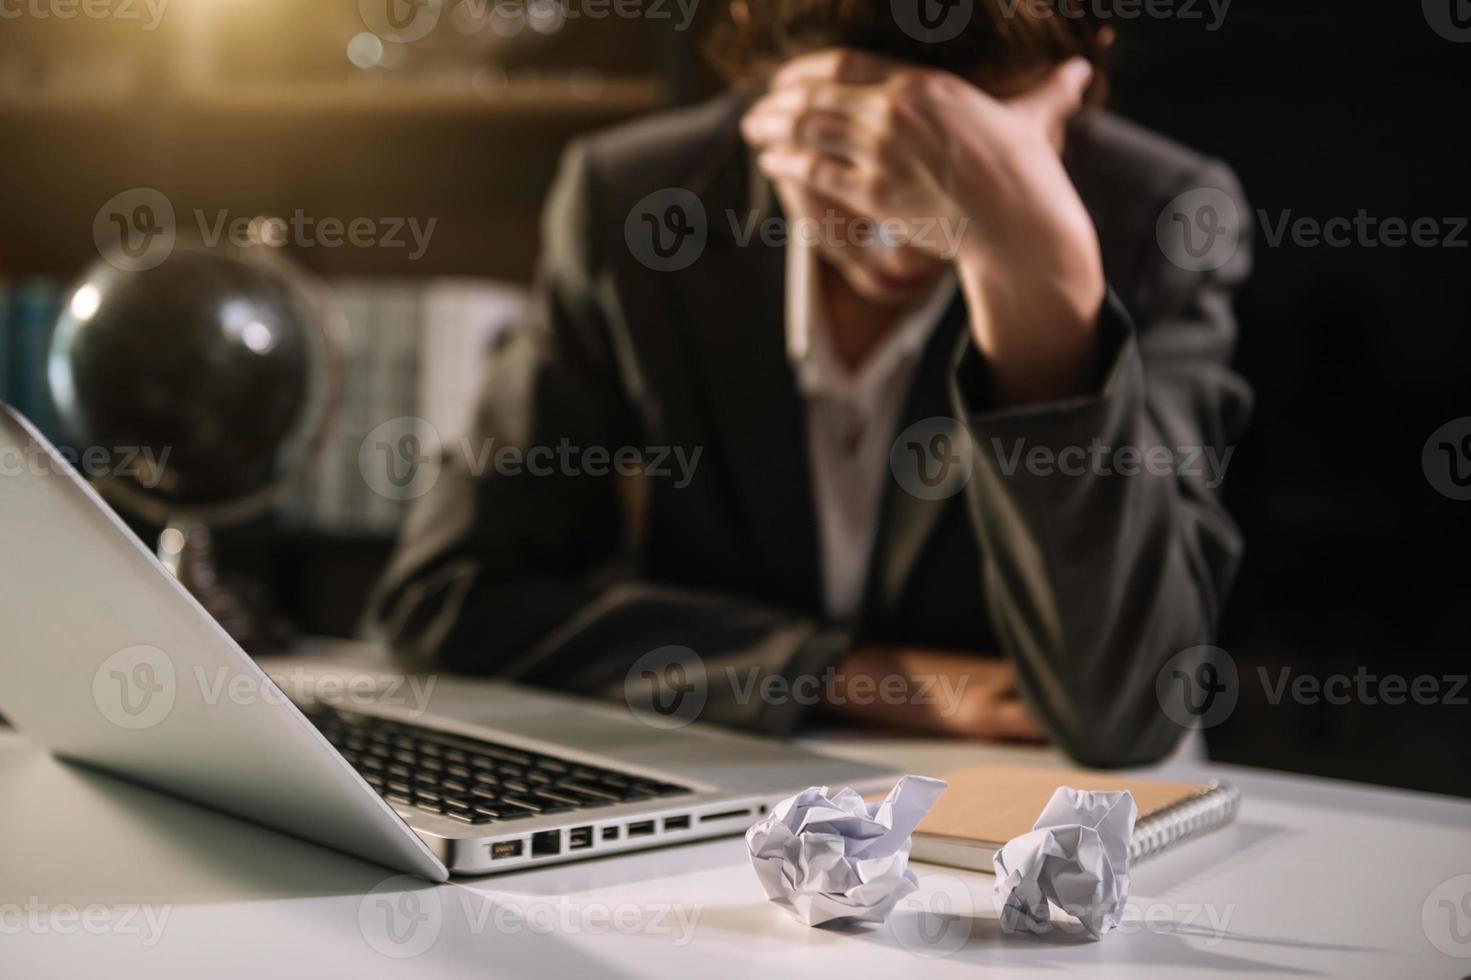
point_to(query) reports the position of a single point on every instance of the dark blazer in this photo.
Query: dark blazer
(1089, 584)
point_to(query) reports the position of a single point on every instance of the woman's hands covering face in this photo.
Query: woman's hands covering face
(970, 178)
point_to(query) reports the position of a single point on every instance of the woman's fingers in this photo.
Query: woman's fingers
(831, 176)
(834, 65)
(832, 119)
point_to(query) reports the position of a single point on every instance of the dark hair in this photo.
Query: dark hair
(1001, 40)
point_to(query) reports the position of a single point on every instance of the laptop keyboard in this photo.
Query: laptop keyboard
(471, 780)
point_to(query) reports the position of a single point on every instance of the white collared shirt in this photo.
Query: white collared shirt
(851, 420)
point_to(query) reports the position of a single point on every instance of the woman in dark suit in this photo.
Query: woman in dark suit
(949, 403)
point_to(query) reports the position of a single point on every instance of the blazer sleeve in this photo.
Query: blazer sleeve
(534, 577)
(1107, 549)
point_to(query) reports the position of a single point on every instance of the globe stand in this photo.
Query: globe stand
(186, 548)
(224, 362)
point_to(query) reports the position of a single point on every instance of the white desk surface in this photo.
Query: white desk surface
(101, 878)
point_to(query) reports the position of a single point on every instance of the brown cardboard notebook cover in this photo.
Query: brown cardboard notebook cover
(986, 806)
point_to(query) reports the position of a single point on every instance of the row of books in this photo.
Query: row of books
(409, 349)
(414, 349)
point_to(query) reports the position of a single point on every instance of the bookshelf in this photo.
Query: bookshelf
(236, 108)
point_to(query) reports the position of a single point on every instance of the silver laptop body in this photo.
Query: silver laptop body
(107, 660)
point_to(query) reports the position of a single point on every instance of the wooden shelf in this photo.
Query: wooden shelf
(513, 97)
(516, 97)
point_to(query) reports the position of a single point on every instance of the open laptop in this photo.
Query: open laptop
(107, 660)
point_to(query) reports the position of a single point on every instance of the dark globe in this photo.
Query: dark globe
(215, 364)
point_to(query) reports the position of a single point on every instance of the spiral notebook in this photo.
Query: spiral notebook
(986, 806)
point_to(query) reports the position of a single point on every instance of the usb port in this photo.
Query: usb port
(546, 843)
(677, 823)
(610, 833)
(641, 829)
(505, 849)
(579, 838)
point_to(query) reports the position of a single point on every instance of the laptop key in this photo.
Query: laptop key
(583, 800)
(588, 791)
(454, 771)
(525, 805)
(507, 755)
(550, 797)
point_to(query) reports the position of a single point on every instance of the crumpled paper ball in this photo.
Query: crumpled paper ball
(834, 858)
(1076, 857)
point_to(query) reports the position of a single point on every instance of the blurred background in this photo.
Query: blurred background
(436, 125)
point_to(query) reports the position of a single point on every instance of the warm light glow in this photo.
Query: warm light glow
(545, 16)
(365, 50)
(85, 302)
(171, 540)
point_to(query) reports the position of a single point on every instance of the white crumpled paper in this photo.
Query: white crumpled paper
(838, 858)
(1076, 856)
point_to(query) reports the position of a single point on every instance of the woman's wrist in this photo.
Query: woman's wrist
(1034, 323)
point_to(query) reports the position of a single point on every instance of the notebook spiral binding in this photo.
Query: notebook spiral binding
(1213, 807)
